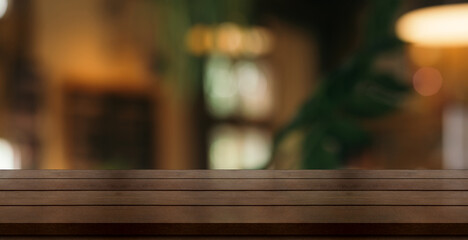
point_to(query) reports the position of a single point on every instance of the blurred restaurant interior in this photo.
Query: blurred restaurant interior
(233, 84)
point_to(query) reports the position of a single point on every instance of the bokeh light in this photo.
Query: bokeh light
(3, 7)
(221, 91)
(229, 39)
(199, 39)
(257, 41)
(436, 26)
(427, 81)
(224, 152)
(256, 149)
(256, 99)
(7, 155)
(234, 147)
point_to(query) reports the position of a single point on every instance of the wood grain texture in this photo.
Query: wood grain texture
(224, 204)
(243, 174)
(234, 184)
(234, 229)
(233, 198)
(234, 214)
(236, 238)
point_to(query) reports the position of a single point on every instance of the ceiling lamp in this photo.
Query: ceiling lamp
(438, 26)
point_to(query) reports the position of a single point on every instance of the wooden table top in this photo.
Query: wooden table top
(263, 204)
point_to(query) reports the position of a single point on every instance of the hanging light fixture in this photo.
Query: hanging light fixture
(443, 27)
(438, 26)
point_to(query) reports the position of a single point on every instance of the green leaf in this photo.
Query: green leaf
(376, 96)
(320, 151)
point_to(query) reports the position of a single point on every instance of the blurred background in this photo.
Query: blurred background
(232, 84)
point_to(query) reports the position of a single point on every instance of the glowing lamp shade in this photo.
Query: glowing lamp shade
(439, 26)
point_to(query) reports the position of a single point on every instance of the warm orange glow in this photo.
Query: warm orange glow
(427, 81)
(424, 56)
(229, 38)
(199, 39)
(445, 25)
(257, 41)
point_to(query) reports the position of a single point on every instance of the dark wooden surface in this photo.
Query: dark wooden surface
(388, 204)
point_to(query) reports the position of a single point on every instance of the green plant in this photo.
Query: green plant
(330, 118)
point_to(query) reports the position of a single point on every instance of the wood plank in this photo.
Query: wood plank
(222, 229)
(327, 174)
(237, 238)
(234, 198)
(235, 184)
(234, 214)
(222, 203)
